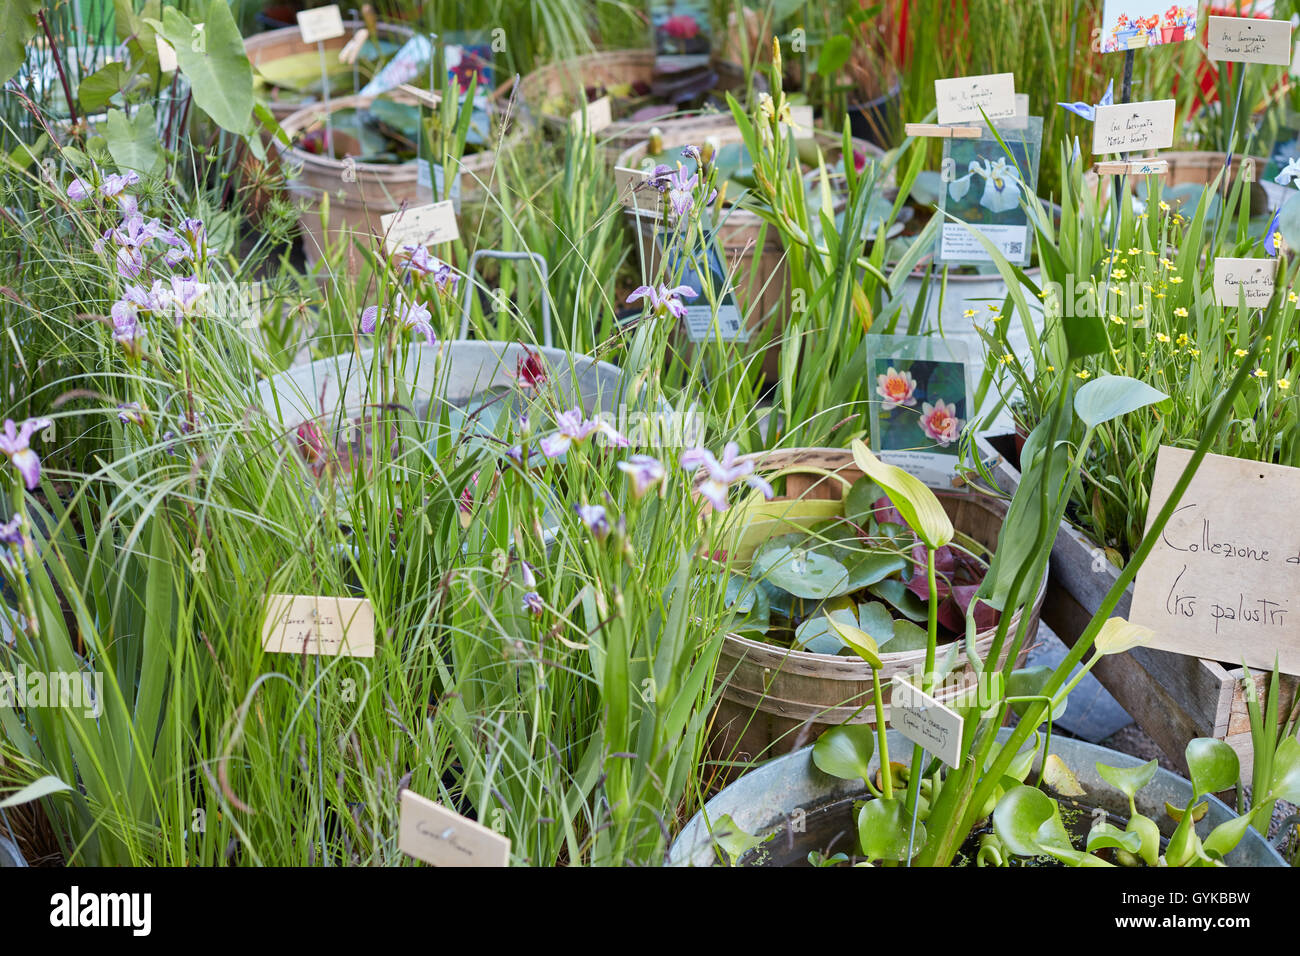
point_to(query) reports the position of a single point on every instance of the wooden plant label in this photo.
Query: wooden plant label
(1247, 40)
(962, 97)
(323, 23)
(1255, 276)
(1223, 580)
(598, 115)
(316, 624)
(430, 832)
(1130, 127)
(925, 721)
(430, 225)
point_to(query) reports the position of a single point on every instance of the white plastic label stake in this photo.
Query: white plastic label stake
(961, 98)
(923, 720)
(1247, 40)
(423, 225)
(323, 23)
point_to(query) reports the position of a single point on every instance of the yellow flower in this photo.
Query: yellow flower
(1135, 251)
(1164, 206)
(1116, 319)
(1161, 337)
(1138, 307)
(1007, 359)
(1167, 263)
(1291, 297)
(1259, 373)
(994, 309)
(1182, 339)
(1193, 352)
(1118, 274)
(1176, 279)
(968, 314)
(1240, 353)
(1160, 295)
(1083, 374)
(1052, 368)
(1180, 312)
(1283, 383)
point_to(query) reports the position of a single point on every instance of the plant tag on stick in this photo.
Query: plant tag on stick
(323, 23)
(1223, 580)
(961, 98)
(430, 832)
(428, 225)
(701, 323)
(597, 116)
(1247, 40)
(1130, 127)
(166, 56)
(627, 185)
(1255, 277)
(319, 625)
(925, 721)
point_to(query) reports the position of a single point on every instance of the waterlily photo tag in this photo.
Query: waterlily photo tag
(1223, 580)
(429, 225)
(920, 402)
(1133, 127)
(319, 625)
(1138, 24)
(320, 24)
(969, 99)
(430, 832)
(1247, 40)
(982, 192)
(1255, 277)
(683, 34)
(925, 721)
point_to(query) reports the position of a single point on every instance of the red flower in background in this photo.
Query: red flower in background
(681, 27)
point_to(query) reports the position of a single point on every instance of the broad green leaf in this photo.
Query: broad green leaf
(1147, 829)
(804, 573)
(133, 143)
(1128, 780)
(907, 637)
(35, 790)
(1225, 837)
(1118, 635)
(1073, 857)
(815, 635)
(902, 600)
(732, 840)
(918, 505)
(859, 503)
(1028, 821)
(1198, 812)
(1030, 682)
(96, 90)
(1212, 764)
(1110, 396)
(868, 567)
(884, 827)
(875, 619)
(835, 53)
(1106, 836)
(217, 67)
(1286, 771)
(859, 640)
(845, 751)
(19, 19)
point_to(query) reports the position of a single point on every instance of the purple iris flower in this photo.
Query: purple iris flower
(644, 471)
(127, 330)
(533, 603)
(16, 443)
(184, 294)
(721, 475)
(79, 190)
(411, 316)
(114, 183)
(130, 262)
(663, 300)
(131, 413)
(593, 516)
(14, 537)
(572, 428)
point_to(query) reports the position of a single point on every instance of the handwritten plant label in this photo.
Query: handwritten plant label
(323, 23)
(1223, 580)
(1129, 127)
(430, 832)
(598, 115)
(316, 624)
(1253, 276)
(925, 721)
(962, 97)
(427, 225)
(1247, 40)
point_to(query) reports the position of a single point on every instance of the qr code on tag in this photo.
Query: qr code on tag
(1015, 248)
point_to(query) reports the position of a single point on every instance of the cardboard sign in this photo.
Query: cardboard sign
(422, 225)
(1255, 276)
(1223, 580)
(924, 721)
(1129, 127)
(323, 23)
(317, 624)
(430, 832)
(166, 56)
(598, 115)
(1247, 40)
(961, 98)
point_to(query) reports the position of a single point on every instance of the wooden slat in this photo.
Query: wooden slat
(935, 131)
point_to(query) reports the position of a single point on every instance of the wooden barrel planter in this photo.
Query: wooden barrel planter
(753, 249)
(360, 194)
(1174, 698)
(775, 699)
(572, 78)
(278, 44)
